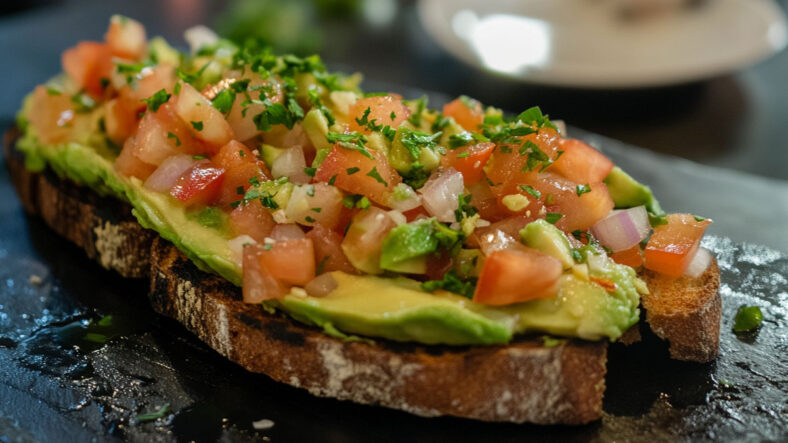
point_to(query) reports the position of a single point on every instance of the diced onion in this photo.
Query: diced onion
(321, 285)
(199, 36)
(495, 240)
(169, 171)
(398, 217)
(237, 246)
(288, 231)
(404, 198)
(622, 229)
(699, 263)
(291, 164)
(440, 195)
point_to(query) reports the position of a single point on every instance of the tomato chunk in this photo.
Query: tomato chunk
(381, 110)
(200, 185)
(672, 246)
(129, 165)
(581, 163)
(517, 275)
(469, 160)
(364, 239)
(578, 212)
(258, 282)
(631, 257)
(354, 173)
(292, 262)
(510, 168)
(329, 255)
(241, 168)
(467, 112)
(119, 121)
(206, 122)
(253, 220)
(87, 64)
(126, 38)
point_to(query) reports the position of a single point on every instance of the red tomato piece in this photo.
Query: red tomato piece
(467, 113)
(53, 116)
(352, 170)
(129, 165)
(581, 163)
(240, 167)
(87, 64)
(631, 257)
(486, 202)
(200, 185)
(252, 219)
(517, 275)
(329, 255)
(161, 134)
(119, 121)
(672, 246)
(381, 109)
(578, 212)
(206, 122)
(258, 282)
(508, 168)
(469, 160)
(126, 38)
(145, 84)
(292, 262)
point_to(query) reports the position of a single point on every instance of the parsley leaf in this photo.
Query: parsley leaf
(415, 141)
(173, 136)
(156, 100)
(583, 189)
(451, 283)
(415, 118)
(553, 217)
(529, 189)
(224, 100)
(376, 175)
(197, 126)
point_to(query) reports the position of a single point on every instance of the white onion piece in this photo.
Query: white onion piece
(237, 246)
(288, 231)
(441, 193)
(398, 217)
(291, 164)
(321, 285)
(622, 229)
(404, 198)
(699, 263)
(199, 36)
(168, 172)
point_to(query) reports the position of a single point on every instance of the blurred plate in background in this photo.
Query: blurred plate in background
(594, 44)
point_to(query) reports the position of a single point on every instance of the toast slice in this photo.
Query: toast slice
(523, 381)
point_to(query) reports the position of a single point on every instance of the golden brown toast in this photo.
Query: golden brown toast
(523, 381)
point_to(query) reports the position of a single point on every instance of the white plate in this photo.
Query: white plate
(583, 43)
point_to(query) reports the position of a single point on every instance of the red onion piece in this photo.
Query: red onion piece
(321, 285)
(291, 164)
(168, 172)
(287, 231)
(622, 229)
(440, 194)
(699, 263)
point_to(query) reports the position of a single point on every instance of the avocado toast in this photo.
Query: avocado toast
(463, 267)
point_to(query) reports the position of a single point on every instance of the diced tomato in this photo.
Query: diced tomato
(631, 257)
(342, 162)
(381, 109)
(517, 275)
(161, 134)
(258, 282)
(240, 167)
(206, 122)
(509, 168)
(467, 113)
(364, 239)
(129, 165)
(469, 160)
(292, 262)
(579, 212)
(126, 38)
(329, 255)
(253, 220)
(483, 199)
(581, 163)
(672, 246)
(606, 283)
(52, 115)
(315, 203)
(87, 64)
(119, 121)
(510, 226)
(200, 185)
(144, 85)
(241, 117)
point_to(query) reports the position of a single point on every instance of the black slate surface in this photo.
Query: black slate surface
(59, 383)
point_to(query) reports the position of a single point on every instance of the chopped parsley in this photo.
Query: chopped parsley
(529, 189)
(421, 105)
(355, 201)
(351, 171)
(451, 283)
(534, 116)
(83, 101)
(197, 126)
(460, 140)
(583, 189)
(376, 175)
(223, 101)
(314, 99)
(310, 171)
(353, 141)
(174, 137)
(151, 416)
(415, 141)
(440, 122)
(553, 217)
(464, 208)
(156, 100)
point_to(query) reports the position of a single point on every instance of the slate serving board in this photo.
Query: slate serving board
(66, 375)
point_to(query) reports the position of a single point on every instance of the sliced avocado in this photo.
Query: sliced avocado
(548, 239)
(452, 128)
(276, 193)
(628, 192)
(424, 150)
(406, 243)
(320, 155)
(315, 125)
(468, 263)
(270, 153)
(378, 142)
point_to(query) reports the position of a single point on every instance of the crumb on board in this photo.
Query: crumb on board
(263, 424)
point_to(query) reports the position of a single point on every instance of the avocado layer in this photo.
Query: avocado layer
(390, 308)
